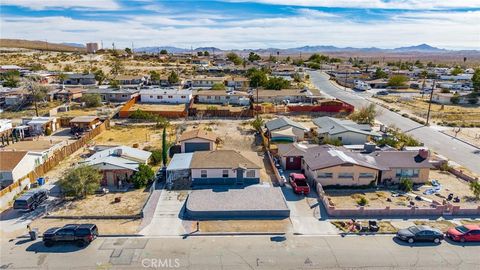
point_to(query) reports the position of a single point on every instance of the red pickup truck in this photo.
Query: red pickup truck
(299, 183)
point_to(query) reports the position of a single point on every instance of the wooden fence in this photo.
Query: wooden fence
(54, 160)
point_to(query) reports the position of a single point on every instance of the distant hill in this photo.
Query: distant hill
(419, 48)
(78, 45)
(38, 45)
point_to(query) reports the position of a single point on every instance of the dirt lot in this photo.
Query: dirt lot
(158, 107)
(29, 110)
(103, 205)
(458, 114)
(271, 226)
(450, 184)
(105, 227)
(130, 135)
(219, 107)
(442, 225)
(471, 135)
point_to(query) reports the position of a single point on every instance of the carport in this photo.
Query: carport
(179, 167)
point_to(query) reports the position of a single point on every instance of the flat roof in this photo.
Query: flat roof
(180, 161)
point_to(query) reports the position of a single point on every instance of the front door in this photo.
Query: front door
(239, 180)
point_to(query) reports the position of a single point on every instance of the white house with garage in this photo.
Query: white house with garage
(166, 95)
(197, 140)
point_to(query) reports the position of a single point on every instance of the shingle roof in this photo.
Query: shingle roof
(334, 126)
(401, 159)
(220, 159)
(83, 119)
(325, 156)
(293, 149)
(283, 122)
(197, 133)
(10, 159)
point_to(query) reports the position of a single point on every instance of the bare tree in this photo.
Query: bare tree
(37, 91)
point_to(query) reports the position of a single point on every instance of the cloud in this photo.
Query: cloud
(64, 4)
(373, 4)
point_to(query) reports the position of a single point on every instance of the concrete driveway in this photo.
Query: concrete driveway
(305, 214)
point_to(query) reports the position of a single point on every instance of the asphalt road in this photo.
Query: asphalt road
(457, 151)
(253, 252)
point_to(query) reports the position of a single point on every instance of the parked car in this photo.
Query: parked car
(465, 233)
(420, 233)
(81, 234)
(30, 200)
(299, 183)
(382, 93)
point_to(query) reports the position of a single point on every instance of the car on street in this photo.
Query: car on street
(299, 183)
(30, 200)
(465, 233)
(420, 233)
(382, 93)
(81, 234)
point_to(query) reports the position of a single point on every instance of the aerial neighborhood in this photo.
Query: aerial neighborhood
(130, 142)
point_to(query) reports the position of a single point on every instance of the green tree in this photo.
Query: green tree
(365, 115)
(100, 77)
(128, 51)
(475, 188)
(116, 67)
(455, 99)
(233, 57)
(154, 76)
(257, 77)
(199, 53)
(163, 51)
(277, 83)
(92, 100)
(218, 86)
(164, 147)
(252, 57)
(332, 141)
(114, 84)
(380, 74)
(397, 81)
(406, 184)
(173, 78)
(456, 70)
(476, 80)
(143, 176)
(37, 92)
(62, 77)
(206, 53)
(257, 124)
(156, 157)
(81, 181)
(11, 79)
(68, 68)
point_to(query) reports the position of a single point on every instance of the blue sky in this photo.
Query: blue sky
(236, 24)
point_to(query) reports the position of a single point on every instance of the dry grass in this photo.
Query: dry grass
(218, 107)
(105, 227)
(471, 222)
(385, 226)
(376, 199)
(158, 107)
(256, 226)
(103, 205)
(131, 135)
(442, 225)
(29, 110)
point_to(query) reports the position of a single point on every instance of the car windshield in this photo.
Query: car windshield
(414, 229)
(462, 229)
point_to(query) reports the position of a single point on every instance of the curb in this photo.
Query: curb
(451, 136)
(234, 234)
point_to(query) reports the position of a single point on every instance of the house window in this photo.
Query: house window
(209, 97)
(251, 173)
(324, 175)
(366, 175)
(159, 97)
(203, 173)
(345, 175)
(124, 96)
(183, 97)
(339, 138)
(407, 172)
(151, 96)
(170, 96)
(225, 173)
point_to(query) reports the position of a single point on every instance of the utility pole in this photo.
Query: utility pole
(430, 103)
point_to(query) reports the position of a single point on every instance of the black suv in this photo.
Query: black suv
(30, 200)
(82, 234)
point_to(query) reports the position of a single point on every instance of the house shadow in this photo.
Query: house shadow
(39, 247)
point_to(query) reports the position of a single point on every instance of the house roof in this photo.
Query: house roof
(401, 159)
(115, 161)
(283, 122)
(180, 161)
(293, 149)
(80, 76)
(198, 133)
(325, 156)
(122, 151)
(84, 119)
(281, 93)
(334, 126)
(220, 93)
(220, 159)
(39, 145)
(10, 159)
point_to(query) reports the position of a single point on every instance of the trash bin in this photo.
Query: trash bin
(33, 234)
(41, 181)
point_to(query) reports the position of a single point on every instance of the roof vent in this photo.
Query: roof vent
(369, 147)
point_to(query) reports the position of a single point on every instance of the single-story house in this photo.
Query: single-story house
(346, 131)
(43, 149)
(205, 82)
(283, 96)
(83, 123)
(197, 140)
(291, 154)
(39, 125)
(131, 80)
(222, 97)
(117, 164)
(284, 129)
(238, 83)
(80, 79)
(114, 95)
(223, 167)
(69, 94)
(166, 95)
(15, 165)
(446, 98)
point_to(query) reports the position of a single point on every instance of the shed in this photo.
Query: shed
(179, 167)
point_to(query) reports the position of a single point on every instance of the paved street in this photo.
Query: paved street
(461, 153)
(260, 252)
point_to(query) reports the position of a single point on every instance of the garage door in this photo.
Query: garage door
(192, 147)
(293, 163)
